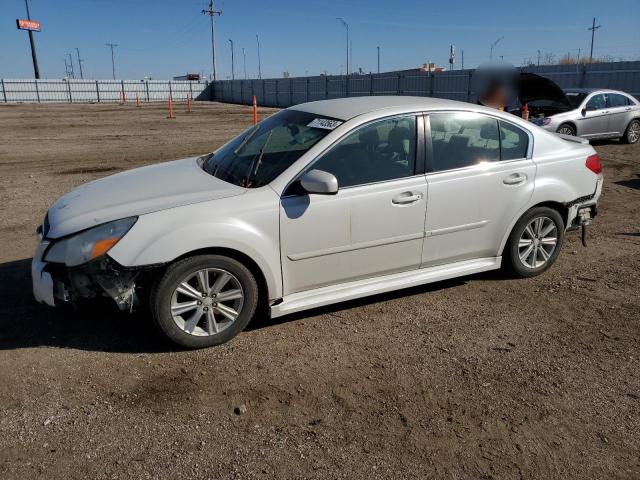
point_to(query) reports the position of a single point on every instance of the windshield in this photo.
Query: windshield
(575, 98)
(261, 153)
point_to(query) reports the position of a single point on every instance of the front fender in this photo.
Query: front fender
(161, 237)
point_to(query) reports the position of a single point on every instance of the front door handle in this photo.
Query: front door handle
(406, 198)
(515, 179)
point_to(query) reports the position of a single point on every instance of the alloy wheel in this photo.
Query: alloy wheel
(538, 242)
(566, 130)
(207, 302)
(634, 132)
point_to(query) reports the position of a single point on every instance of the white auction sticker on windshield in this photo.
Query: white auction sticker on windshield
(325, 123)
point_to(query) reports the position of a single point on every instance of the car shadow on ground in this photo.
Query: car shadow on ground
(26, 324)
(631, 183)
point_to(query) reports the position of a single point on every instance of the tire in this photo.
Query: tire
(567, 129)
(174, 310)
(542, 254)
(632, 133)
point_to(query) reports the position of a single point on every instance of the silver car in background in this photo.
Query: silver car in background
(592, 113)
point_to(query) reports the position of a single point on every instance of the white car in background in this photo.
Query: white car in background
(319, 203)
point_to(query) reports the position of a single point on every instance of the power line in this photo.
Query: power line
(113, 63)
(212, 12)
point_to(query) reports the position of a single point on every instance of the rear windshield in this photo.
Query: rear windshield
(575, 98)
(258, 155)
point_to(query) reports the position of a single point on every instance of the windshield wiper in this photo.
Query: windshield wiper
(246, 140)
(253, 167)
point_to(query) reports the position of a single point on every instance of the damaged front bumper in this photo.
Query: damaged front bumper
(55, 284)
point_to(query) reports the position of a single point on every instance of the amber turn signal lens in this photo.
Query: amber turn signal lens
(101, 247)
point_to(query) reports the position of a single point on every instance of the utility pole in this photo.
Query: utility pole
(244, 63)
(538, 57)
(378, 59)
(462, 58)
(233, 75)
(259, 64)
(212, 12)
(593, 32)
(80, 62)
(345, 25)
(113, 63)
(73, 72)
(492, 46)
(36, 70)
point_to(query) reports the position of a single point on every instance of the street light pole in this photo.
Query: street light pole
(346, 25)
(244, 63)
(233, 74)
(378, 59)
(492, 46)
(36, 69)
(259, 63)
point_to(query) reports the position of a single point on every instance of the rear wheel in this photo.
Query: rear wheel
(632, 133)
(535, 242)
(204, 300)
(567, 129)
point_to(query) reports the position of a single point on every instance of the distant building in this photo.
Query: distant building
(189, 76)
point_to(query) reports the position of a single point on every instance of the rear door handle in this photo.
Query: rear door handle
(406, 198)
(515, 179)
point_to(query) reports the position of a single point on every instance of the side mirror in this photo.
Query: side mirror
(319, 181)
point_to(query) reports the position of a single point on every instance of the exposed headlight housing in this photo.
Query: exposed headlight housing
(90, 244)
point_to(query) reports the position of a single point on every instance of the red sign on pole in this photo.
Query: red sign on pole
(28, 25)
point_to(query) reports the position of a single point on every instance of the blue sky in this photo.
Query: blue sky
(163, 38)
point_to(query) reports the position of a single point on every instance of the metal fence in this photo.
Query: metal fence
(455, 85)
(21, 90)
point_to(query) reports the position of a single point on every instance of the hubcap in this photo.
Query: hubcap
(566, 131)
(207, 302)
(538, 242)
(634, 132)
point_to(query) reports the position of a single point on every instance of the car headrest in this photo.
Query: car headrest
(489, 131)
(369, 137)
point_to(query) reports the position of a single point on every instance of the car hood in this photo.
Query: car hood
(534, 87)
(135, 192)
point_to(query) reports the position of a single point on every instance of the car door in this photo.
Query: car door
(619, 113)
(594, 119)
(476, 188)
(374, 225)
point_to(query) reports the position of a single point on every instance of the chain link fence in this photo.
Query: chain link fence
(97, 91)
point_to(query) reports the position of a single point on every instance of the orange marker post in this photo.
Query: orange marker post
(255, 110)
(525, 112)
(138, 100)
(171, 108)
(189, 104)
(120, 99)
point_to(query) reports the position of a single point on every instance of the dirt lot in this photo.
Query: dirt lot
(484, 377)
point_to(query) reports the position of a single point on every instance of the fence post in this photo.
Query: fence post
(371, 84)
(146, 85)
(97, 91)
(277, 98)
(431, 90)
(290, 91)
(346, 85)
(469, 86)
(124, 98)
(326, 87)
(68, 89)
(307, 87)
(191, 90)
(37, 91)
(399, 89)
(4, 92)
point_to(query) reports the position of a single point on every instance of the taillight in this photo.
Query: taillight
(593, 163)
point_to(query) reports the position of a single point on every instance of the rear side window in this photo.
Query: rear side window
(514, 142)
(463, 139)
(617, 100)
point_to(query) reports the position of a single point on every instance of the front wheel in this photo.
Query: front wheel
(204, 300)
(632, 133)
(535, 242)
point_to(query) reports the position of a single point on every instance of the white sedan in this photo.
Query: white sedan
(320, 203)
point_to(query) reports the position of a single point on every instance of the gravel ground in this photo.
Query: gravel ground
(483, 377)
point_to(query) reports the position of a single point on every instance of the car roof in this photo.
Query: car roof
(592, 90)
(348, 108)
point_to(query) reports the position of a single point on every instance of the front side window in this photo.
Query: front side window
(617, 100)
(258, 155)
(380, 151)
(597, 102)
(463, 139)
